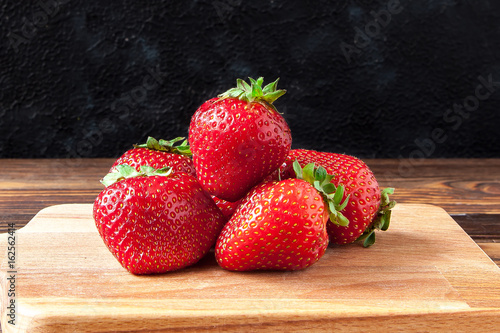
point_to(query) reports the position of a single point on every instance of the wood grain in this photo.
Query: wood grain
(460, 186)
(424, 275)
(468, 189)
(463, 187)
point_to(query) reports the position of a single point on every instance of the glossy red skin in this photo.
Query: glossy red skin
(157, 159)
(359, 182)
(227, 208)
(157, 224)
(236, 144)
(277, 226)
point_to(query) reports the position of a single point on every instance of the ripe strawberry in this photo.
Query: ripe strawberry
(280, 225)
(154, 221)
(369, 207)
(228, 208)
(159, 154)
(238, 139)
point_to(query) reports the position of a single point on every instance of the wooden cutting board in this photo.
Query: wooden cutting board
(423, 274)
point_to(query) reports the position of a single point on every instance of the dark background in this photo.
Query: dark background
(90, 78)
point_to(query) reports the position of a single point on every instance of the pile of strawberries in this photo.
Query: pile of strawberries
(236, 184)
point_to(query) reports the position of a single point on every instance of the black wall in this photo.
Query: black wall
(90, 78)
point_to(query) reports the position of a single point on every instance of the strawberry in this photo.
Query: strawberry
(154, 221)
(369, 207)
(159, 154)
(280, 225)
(227, 208)
(238, 139)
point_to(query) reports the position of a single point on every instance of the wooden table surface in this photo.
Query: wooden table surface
(468, 189)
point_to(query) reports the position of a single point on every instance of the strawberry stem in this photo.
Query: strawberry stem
(124, 171)
(254, 92)
(167, 146)
(382, 220)
(332, 195)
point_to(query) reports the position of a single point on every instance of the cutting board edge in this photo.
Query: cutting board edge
(478, 319)
(484, 312)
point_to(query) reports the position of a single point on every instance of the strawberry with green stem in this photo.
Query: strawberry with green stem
(368, 208)
(158, 154)
(238, 139)
(281, 225)
(155, 221)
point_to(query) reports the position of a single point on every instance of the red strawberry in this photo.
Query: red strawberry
(368, 208)
(280, 225)
(156, 221)
(159, 154)
(238, 139)
(228, 208)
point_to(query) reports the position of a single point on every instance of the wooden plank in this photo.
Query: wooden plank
(27, 186)
(460, 186)
(492, 250)
(484, 229)
(481, 227)
(424, 274)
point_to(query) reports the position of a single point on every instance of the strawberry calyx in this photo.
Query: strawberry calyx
(254, 92)
(382, 219)
(124, 171)
(168, 146)
(332, 195)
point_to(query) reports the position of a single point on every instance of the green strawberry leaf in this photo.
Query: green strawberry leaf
(342, 220)
(333, 210)
(386, 221)
(382, 220)
(317, 186)
(259, 81)
(121, 172)
(333, 196)
(339, 194)
(308, 173)
(270, 87)
(320, 174)
(298, 169)
(370, 239)
(241, 84)
(344, 204)
(329, 188)
(328, 180)
(167, 146)
(124, 171)
(254, 92)
(272, 96)
(256, 87)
